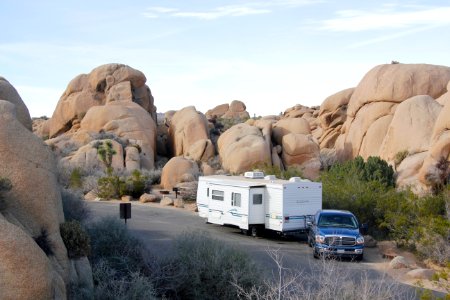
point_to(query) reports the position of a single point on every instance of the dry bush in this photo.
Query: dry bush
(327, 280)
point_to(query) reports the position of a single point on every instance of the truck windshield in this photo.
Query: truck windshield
(345, 221)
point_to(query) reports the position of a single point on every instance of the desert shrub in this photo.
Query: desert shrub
(327, 158)
(114, 186)
(5, 186)
(111, 242)
(400, 156)
(75, 239)
(203, 268)
(268, 169)
(44, 243)
(136, 286)
(73, 206)
(76, 180)
(119, 267)
(152, 176)
(68, 149)
(330, 281)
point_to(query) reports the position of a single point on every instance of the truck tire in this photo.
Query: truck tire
(359, 257)
(315, 254)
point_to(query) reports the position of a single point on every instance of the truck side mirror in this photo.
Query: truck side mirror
(364, 228)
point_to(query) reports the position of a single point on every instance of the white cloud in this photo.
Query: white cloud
(250, 8)
(224, 11)
(386, 18)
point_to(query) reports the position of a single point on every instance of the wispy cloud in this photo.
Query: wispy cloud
(252, 8)
(387, 18)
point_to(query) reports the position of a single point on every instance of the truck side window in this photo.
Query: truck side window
(257, 199)
(236, 199)
(217, 195)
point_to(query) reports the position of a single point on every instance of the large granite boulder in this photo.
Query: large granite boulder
(177, 170)
(10, 94)
(33, 207)
(242, 147)
(187, 127)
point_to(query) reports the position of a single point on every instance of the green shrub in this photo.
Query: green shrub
(110, 187)
(76, 180)
(204, 268)
(44, 243)
(75, 239)
(135, 185)
(74, 207)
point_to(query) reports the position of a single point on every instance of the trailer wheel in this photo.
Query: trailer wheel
(254, 231)
(245, 232)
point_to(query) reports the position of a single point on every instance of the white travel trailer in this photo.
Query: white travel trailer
(255, 202)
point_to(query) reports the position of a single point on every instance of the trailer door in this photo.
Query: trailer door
(256, 212)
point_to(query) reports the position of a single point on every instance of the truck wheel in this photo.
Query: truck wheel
(254, 231)
(359, 257)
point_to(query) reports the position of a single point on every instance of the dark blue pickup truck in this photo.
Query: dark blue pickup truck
(336, 233)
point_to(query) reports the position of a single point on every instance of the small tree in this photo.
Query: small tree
(106, 152)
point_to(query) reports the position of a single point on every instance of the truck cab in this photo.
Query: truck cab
(336, 233)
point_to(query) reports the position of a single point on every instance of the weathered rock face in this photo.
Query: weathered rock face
(126, 120)
(434, 168)
(290, 125)
(33, 206)
(375, 99)
(410, 127)
(332, 115)
(104, 84)
(235, 110)
(178, 169)
(187, 127)
(9, 93)
(242, 147)
(302, 151)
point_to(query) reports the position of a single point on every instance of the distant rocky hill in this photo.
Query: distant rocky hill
(398, 112)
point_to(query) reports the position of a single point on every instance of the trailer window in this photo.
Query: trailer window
(257, 199)
(207, 192)
(217, 195)
(236, 199)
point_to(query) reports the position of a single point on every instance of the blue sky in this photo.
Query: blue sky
(269, 54)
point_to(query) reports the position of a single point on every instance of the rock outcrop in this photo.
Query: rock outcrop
(373, 103)
(235, 110)
(104, 84)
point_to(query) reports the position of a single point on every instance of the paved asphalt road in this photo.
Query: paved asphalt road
(157, 227)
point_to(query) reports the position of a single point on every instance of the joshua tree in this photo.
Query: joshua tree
(105, 151)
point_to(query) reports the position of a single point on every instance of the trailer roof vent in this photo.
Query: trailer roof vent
(270, 177)
(254, 175)
(295, 179)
